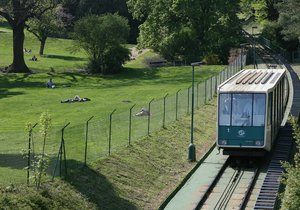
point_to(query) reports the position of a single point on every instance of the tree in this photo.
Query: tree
(185, 29)
(289, 18)
(52, 22)
(80, 8)
(17, 13)
(102, 37)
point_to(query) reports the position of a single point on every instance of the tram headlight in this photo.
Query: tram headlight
(223, 142)
(258, 143)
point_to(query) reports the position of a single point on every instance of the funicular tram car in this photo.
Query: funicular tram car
(251, 107)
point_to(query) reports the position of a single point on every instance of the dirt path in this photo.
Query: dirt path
(136, 52)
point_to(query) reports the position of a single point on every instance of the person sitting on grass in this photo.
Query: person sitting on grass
(50, 84)
(75, 99)
(34, 58)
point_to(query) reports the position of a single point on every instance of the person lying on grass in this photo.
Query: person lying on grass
(143, 112)
(75, 99)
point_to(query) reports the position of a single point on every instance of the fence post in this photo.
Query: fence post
(30, 138)
(197, 95)
(188, 102)
(176, 105)
(110, 131)
(236, 65)
(61, 152)
(86, 138)
(164, 116)
(149, 116)
(205, 92)
(227, 71)
(129, 129)
(216, 84)
(64, 149)
(211, 87)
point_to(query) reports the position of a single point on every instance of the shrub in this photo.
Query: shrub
(291, 199)
(212, 59)
(102, 37)
(57, 195)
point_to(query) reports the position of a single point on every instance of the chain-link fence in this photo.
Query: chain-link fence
(98, 137)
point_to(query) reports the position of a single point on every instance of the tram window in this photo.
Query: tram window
(259, 107)
(241, 109)
(224, 109)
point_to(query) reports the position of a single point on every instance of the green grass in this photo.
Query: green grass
(23, 97)
(139, 176)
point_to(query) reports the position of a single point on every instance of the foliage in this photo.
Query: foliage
(80, 9)
(102, 38)
(263, 10)
(212, 59)
(39, 166)
(45, 123)
(184, 29)
(57, 195)
(289, 18)
(291, 199)
(273, 31)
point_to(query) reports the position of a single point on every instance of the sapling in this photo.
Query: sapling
(41, 161)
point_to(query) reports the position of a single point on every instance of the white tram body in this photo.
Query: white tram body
(251, 107)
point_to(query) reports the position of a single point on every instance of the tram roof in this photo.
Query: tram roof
(252, 80)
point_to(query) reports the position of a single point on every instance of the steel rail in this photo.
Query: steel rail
(249, 189)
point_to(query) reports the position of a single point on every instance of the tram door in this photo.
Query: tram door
(274, 114)
(271, 106)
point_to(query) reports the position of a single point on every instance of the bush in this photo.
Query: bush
(102, 37)
(212, 59)
(57, 195)
(291, 199)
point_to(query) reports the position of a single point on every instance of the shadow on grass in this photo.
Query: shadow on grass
(15, 81)
(14, 161)
(127, 77)
(64, 57)
(96, 187)
(4, 93)
(4, 24)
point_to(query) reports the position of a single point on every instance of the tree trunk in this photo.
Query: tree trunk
(18, 65)
(42, 46)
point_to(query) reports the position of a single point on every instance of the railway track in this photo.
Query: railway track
(237, 183)
(233, 185)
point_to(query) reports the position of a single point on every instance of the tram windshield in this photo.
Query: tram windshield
(242, 109)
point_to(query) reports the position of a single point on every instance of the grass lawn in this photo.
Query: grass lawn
(140, 176)
(23, 97)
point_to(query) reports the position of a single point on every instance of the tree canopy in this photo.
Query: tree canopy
(185, 29)
(289, 18)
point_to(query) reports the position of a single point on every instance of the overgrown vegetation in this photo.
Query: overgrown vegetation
(57, 195)
(291, 198)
